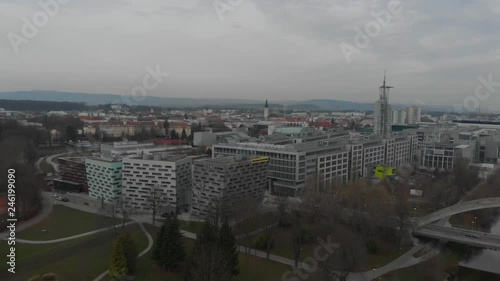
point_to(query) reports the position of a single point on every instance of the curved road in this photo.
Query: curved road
(458, 208)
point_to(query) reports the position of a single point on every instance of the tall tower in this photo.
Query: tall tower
(266, 111)
(383, 112)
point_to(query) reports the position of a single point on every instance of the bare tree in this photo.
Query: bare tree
(156, 202)
(350, 256)
(402, 209)
(126, 208)
(297, 225)
(209, 264)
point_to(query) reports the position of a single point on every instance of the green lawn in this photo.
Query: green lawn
(80, 259)
(251, 267)
(46, 167)
(191, 226)
(255, 223)
(379, 260)
(64, 222)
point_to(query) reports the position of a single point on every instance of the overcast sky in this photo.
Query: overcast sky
(433, 50)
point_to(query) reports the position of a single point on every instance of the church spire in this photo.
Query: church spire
(267, 105)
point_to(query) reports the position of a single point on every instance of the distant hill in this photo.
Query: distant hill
(96, 99)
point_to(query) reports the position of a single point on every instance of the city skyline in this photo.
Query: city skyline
(289, 50)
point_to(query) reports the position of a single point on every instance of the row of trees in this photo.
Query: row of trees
(214, 256)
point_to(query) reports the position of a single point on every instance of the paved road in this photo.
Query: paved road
(459, 208)
(40, 242)
(50, 160)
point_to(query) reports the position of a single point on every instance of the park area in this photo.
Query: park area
(77, 259)
(87, 257)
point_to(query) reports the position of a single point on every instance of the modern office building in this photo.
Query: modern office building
(222, 183)
(329, 161)
(383, 113)
(443, 156)
(104, 176)
(73, 175)
(164, 176)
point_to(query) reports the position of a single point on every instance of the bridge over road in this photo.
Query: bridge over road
(462, 236)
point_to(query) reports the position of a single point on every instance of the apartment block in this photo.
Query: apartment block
(225, 182)
(104, 177)
(166, 177)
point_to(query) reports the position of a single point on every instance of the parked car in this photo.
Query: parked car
(65, 200)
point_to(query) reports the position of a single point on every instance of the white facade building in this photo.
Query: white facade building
(167, 177)
(104, 178)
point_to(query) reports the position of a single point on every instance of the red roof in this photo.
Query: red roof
(90, 118)
(178, 124)
(324, 124)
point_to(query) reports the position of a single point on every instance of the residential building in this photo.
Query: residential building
(414, 114)
(220, 184)
(104, 177)
(399, 117)
(167, 177)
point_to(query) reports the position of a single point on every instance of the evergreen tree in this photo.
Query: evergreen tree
(166, 126)
(130, 252)
(172, 249)
(159, 241)
(208, 234)
(174, 135)
(118, 268)
(184, 134)
(227, 242)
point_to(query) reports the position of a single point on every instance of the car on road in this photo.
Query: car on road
(473, 235)
(65, 199)
(55, 195)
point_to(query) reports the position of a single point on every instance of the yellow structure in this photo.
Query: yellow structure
(382, 172)
(259, 160)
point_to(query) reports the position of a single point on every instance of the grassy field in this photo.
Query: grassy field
(80, 259)
(267, 270)
(46, 167)
(283, 244)
(376, 261)
(191, 226)
(64, 222)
